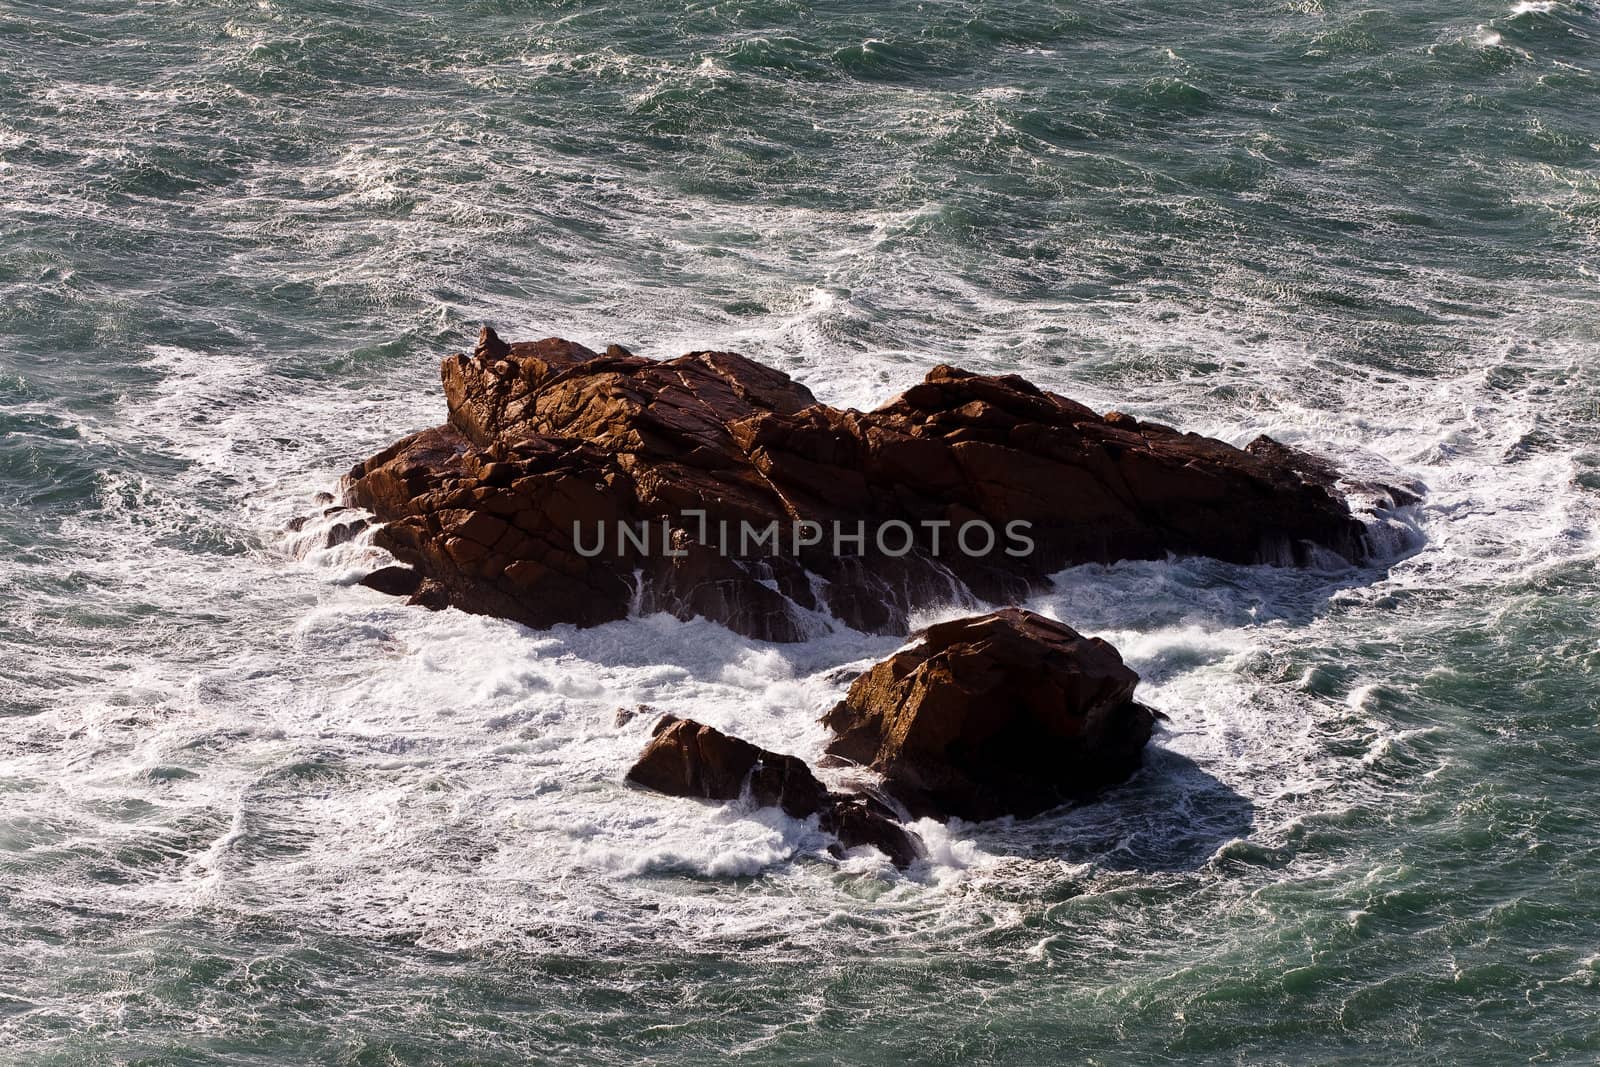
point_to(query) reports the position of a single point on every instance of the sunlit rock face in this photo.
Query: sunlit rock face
(570, 486)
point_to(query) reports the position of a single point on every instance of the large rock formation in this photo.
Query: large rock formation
(746, 501)
(688, 759)
(1003, 714)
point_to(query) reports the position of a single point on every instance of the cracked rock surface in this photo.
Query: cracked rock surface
(550, 444)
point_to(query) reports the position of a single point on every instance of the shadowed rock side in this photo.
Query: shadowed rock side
(688, 759)
(1002, 714)
(548, 437)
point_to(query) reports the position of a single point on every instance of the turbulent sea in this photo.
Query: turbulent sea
(252, 813)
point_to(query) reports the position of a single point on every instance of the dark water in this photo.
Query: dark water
(251, 814)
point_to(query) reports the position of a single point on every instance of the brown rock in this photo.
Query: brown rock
(855, 822)
(548, 434)
(490, 347)
(430, 595)
(624, 716)
(1002, 714)
(341, 532)
(393, 581)
(688, 759)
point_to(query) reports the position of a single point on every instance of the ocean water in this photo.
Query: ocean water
(251, 813)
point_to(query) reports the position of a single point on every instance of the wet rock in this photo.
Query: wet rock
(1008, 713)
(626, 715)
(688, 759)
(341, 532)
(1314, 470)
(393, 580)
(431, 595)
(513, 508)
(855, 822)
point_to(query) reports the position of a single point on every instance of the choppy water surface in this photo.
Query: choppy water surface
(250, 813)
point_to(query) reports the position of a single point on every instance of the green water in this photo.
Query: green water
(251, 813)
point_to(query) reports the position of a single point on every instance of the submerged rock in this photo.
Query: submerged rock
(688, 759)
(1002, 714)
(574, 486)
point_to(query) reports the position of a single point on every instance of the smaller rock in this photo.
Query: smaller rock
(431, 595)
(393, 580)
(1403, 496)
(855, 823)
(339, 533)
(1008, 713)
(626, 715)
(689, 759)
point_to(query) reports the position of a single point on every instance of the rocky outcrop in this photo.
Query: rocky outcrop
(1008, 713)
(746, 501)
(1003, 714)
(688, 759)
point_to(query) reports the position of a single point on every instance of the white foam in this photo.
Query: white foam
(387, 767)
